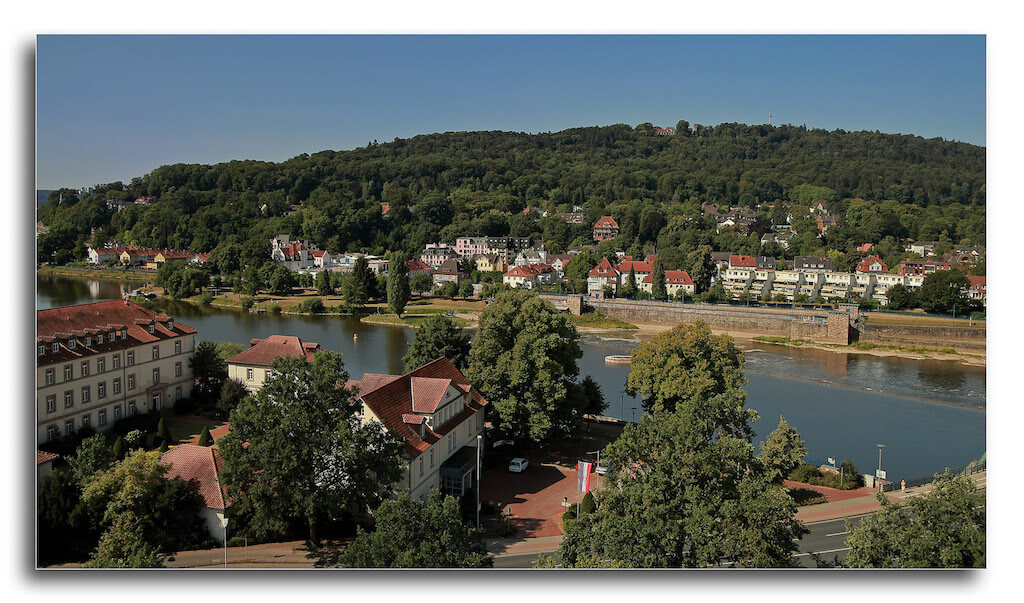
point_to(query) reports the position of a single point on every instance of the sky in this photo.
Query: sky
(115, 107)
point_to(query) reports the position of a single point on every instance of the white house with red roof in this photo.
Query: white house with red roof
(99, 362)
(978, 291)
(675, 281)
(252, 367)
(438, 414)
(602, 276)
(872, 263)
(417, 266)
(605, 228)
(44, 465)
(641, 270)
(201, 466)
(529, 276)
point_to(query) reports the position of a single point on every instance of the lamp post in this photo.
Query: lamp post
(479, 444)
(224, 522)
(634, 414)
(878, 473)
(621, 412)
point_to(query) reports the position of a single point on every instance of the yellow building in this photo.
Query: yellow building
(252, 367)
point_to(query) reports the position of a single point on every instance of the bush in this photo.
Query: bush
(506, 529)
(206, 298)
(184, 406)
(587, 505)
(805, 473)
(569, 515)
(145, 422)
(135, 439)
(119, 448)
(275, 309)
(312, 306)
(204, 438)
(247, 302)
(163, 431)
(806, 496)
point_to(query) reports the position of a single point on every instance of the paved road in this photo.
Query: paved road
(827, 539)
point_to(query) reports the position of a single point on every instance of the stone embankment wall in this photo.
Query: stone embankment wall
(820, 327)
(959, 338)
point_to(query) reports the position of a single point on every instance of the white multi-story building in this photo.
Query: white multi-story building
(251, 367)
(99, 362)
(438, 414)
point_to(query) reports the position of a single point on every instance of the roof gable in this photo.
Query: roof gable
(264, 351)
(200, 463)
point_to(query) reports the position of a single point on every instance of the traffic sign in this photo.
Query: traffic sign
(880, 473)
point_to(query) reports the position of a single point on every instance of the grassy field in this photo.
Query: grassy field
(120, 274)
(405, 321)
(596, 320)
(924, 320)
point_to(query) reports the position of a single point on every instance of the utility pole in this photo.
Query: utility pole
(479, 444)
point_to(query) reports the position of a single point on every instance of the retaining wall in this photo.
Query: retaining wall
(966, 338)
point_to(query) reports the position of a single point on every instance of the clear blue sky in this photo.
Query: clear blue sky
(114, 107)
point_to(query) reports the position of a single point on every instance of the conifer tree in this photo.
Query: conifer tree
(204, 438)
(658, 289)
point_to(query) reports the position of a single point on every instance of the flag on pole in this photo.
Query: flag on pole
(832, 460)
(583, 467)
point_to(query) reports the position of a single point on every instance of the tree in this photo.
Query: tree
(658, 289)
(941, 528)
(228, 349)
(299, 450)
(628, 290)
(781, 452)
(412, 534)
(438, 337)
(119, 448)
(684, 488)
(466, 289)
(123, 545)
(593, 397)
(524, 362)
(93, 455)
(205, 439)
(688, 365)
(944, 290)
(181, 279)
(448, 289)
(68, 528)
(901, 298)
(701, 268)
(209, 370)
(231, 393)
(422, 282)
(163, 431)
(276, 278)
(323, 283)
(398, 284)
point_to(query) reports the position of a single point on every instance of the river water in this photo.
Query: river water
(929, 414)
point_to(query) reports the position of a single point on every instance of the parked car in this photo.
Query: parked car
(518, 465)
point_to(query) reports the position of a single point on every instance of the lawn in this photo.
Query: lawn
(600, 321)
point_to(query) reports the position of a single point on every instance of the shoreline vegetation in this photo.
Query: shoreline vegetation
(467, 312)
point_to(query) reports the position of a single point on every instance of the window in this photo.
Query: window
(85, 420)
(131, 408)
(177, 369)
(101, 417)
(117, 412)
(85, 394)
(71, 344)
(248, 374)
(269, 373)
(99, 339)
(54, 347)
(88, 341)
(69, 399)
(49, 376)
(85, 368)
(156, 375)
(42, 350)
(431, 458)
(177, 347)
(117, 385)
(101, 389)
(152, 328)
(177, 393)
(101, 365)
(69, 427)
(156, 352)
(67, 372)
(117, 360)
(52, 433)
(124, 333)
(51, 403)
(131, 382)
(421, 466)
(131, 358)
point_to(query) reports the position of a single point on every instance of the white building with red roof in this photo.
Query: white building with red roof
(872, 263)
(605, 228)
(201, 466)
(978, 291)
(641, 270)
(99, 362)
(602, 276)
(438, 414)
(529, 276)
(253, 366)
(417, 266)
(675, 281)
(44, 465)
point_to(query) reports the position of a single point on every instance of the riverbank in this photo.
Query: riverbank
(99, 272)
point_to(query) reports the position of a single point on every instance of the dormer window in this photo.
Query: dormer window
(170, 323)
(71, 344)
(152, 328)
(124, 333)
(42, 350)
(55, 347)
(99, 339)
(88, 341)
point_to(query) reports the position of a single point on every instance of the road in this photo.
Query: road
(827, 539)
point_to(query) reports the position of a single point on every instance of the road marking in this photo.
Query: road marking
(837, 534)
(822, 552)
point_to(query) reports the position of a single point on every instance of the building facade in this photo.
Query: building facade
(99, 362)
(253, 366)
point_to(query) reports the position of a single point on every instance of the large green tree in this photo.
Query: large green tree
(438, 337)
(413, 534)
(701, 268)
(209, 370)
(944, 527)
(398, 283)
(658, 289)
(687, 364)
(944, 290)
(299, 450)
(94, 454)
(523, 361)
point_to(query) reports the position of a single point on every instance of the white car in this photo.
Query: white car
(518, 465)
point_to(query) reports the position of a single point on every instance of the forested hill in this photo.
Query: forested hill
(440, 186)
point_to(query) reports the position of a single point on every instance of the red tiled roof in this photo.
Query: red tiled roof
(865, 247)
(742, 261)
(604, 268)
(392, 400)
(606, 222)
(42, 456)
(263, 351)
(529, 270)
(417, 265)
(427, 393)
(865, 264)
(200, 463)
(647, 266)
(100, 318)
(977, 282)
(318, 253)
(672, 277)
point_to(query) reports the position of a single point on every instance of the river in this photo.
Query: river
(930, 414)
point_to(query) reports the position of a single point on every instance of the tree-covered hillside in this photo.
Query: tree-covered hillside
(440, 186)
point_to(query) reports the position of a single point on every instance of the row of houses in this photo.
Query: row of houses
(297, 256)
(143, 256)
(608, 278)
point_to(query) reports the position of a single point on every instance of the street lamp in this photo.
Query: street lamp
(634, 414)
(224, 523)
(878, 473)
(621, 412)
